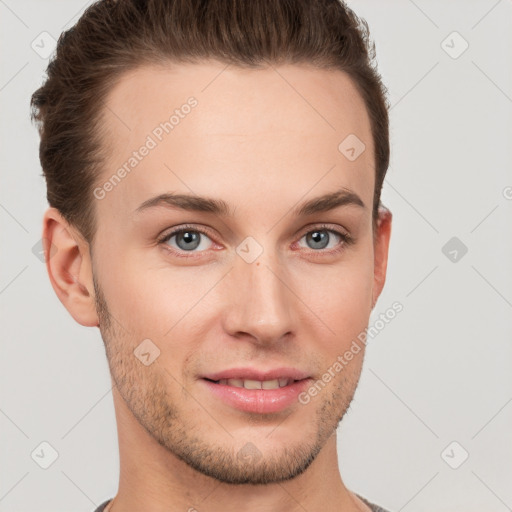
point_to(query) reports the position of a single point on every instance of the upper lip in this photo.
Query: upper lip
(255, 374)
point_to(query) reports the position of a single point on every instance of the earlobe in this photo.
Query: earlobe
(69, 267)
(381, 249)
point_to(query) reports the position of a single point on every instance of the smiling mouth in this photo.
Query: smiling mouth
(258, 396)
(255, 384)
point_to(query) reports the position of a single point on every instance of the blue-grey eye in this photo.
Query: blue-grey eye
(320, 238)
(187, 240)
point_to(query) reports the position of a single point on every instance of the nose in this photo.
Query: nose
(261, 304)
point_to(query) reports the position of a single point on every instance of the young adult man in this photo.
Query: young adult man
(256, 133)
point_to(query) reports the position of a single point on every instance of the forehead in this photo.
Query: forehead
(237, 101)
(220, 130)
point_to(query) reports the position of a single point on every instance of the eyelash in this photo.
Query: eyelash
(346, 239)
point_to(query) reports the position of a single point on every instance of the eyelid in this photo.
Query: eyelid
(325, 226)
(184, 227)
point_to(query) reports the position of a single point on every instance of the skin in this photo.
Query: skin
(262, 140)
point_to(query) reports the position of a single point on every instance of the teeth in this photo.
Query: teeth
(252, 384)
(256, 384)
(237, 383)
(270, 384)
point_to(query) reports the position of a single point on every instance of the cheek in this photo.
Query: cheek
(162, 303)
(137, 297)
(341, 297)
(149, 305)
(355, 298)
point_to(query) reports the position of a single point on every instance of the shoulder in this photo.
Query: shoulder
(101, 508)
(374, 508)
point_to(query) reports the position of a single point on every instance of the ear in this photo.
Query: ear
(68, 264)
(381, 247)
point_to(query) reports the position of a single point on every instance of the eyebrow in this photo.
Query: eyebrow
(324, 203)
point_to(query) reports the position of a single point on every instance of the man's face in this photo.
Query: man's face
(264, 142)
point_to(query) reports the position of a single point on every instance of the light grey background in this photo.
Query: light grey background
(439, 372)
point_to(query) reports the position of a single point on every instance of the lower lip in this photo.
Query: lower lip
(258, 400)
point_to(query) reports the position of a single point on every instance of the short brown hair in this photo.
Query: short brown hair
(113, 37)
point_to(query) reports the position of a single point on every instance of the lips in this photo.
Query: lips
(256, 384)
(255, 390)
(264, 399)
(252, 374)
